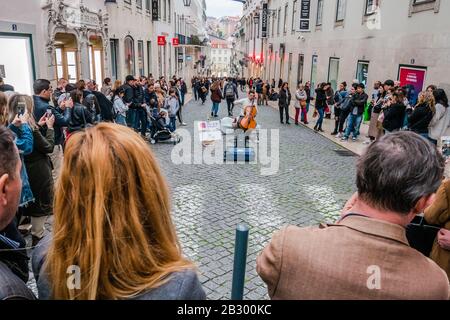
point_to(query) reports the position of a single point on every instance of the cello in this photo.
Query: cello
(248, 120)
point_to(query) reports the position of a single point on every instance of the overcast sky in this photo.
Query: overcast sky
(220, 8)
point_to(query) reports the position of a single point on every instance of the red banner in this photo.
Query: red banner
(161, 40)
(175, 42)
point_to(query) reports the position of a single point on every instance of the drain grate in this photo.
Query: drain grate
(344, 153)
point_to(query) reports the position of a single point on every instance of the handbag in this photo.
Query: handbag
(421, 235)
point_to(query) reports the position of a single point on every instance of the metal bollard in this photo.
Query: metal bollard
(240, 261)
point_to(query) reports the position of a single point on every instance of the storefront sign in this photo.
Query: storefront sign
(155, 14)
(161, 40)
(305, 15)
(414, 79)
(264, 21)
(75, 18)
(175, 42)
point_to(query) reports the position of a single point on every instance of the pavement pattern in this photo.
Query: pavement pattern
(209, 201)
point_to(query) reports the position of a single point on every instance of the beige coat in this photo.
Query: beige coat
(439, 213)
(358, 258)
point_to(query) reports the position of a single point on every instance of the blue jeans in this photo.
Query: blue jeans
(215, 108)
(353, 124)
(140, 121)
(307, 110)
(173, 123)
(120, 119)
(319, 122)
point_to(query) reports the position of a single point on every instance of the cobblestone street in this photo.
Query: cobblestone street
(312, 184)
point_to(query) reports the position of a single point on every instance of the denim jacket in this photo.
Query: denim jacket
(24, 142)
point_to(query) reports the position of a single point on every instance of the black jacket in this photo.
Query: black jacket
(80, 117)
(321, 99)
(39, 169)
(420, 119)
(129, 97)
(61, 117)
(394, 117)
(284, 100)
(106, 106)
(360, 101)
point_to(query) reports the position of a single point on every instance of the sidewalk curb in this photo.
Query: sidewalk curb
(322, 134)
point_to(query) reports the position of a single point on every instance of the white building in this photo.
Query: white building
(94, 39)
(220, 57)
(367, 40)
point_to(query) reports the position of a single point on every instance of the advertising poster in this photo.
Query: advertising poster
(414, 79)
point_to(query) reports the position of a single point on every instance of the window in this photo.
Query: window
(340, 10)
(169, 14)
(333, 72)
(371, 6)
(294, 15)
(319, 12)
(278, 22)
(148, 6)
(139, 4)
(113, 44)
(127, 1)
(424, 5)
(301, 62)
(273, 25)
(285, 17)
(164, 10)
(362, 71)
(149, 57)
(159, 9)
(141, 57)
(129, 55)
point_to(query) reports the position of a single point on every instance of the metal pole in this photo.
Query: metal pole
(240, 260)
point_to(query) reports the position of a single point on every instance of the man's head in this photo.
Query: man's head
(377, 85)
(251, 94)
(360, 88)
(1, 81)
(91, 85)
(130, 80)
(388, 84)
(42, 88)
(62, 83)
(399, 174)
(10, 181)
(151, 87)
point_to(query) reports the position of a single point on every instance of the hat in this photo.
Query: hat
(389, 83)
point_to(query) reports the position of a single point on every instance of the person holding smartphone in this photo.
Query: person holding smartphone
(38, 166)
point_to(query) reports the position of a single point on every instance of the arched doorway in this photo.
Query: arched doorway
(66, 57)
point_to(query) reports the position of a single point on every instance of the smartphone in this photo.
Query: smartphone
(49, 113)
(445, 147)
(21, 108)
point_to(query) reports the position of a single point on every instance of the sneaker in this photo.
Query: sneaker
(281, 122)
(344, 139)
(288, 123)
(334, 133)
(339, 135)
(320, 129)
(183, 124)
(354, 139)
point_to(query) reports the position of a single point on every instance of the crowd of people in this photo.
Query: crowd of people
(117, 228)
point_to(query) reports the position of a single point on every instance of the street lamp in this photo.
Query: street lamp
(187, 3)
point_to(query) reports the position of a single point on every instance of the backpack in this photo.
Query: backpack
(337, 97)
(229, 91)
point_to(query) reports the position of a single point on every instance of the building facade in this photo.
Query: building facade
(94, 39)
(344, 40)
(220, 57)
